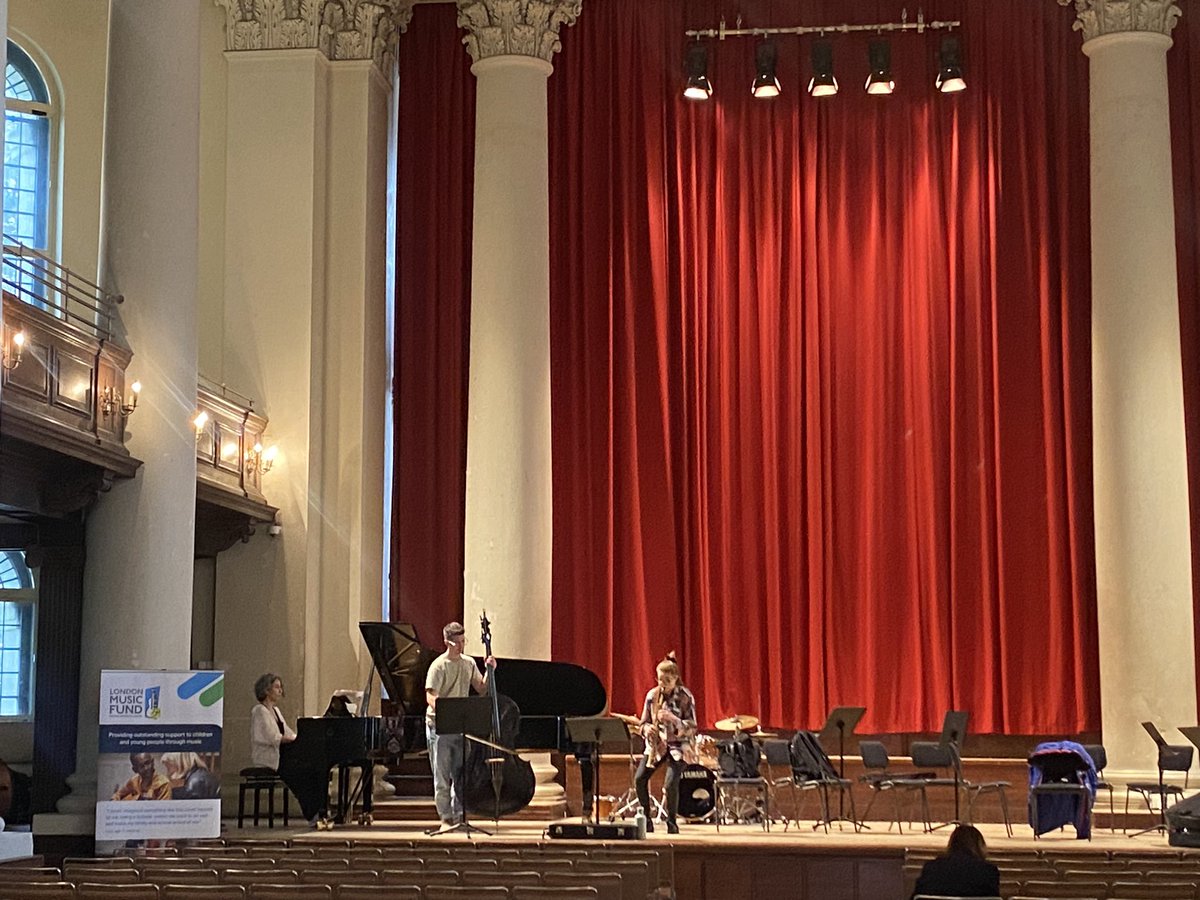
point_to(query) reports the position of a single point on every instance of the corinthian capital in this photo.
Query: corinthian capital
(1097, 17)
(340, 29)
(515, 27)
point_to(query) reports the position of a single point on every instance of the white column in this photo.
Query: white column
(508, 513)
(1143, 543)
(508, 542)
(304, 312)
(140, 537)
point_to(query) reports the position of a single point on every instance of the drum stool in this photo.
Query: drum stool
(741, 799)
(259, 779)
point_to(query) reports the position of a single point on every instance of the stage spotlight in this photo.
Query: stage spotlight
(880, 80)
(695, 67)
(950, 75)
(822, 83)
(765, 83)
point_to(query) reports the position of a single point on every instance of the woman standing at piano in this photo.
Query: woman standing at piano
(668, 725)
(267, 727)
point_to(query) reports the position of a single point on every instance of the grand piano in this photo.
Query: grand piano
(547, 694)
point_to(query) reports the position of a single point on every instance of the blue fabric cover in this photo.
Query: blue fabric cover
(1067, 762)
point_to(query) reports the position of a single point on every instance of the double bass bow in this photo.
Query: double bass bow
(498, 781)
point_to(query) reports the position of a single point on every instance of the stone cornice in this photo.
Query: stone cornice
(340, 29)
(1098, 17)
(515, 27)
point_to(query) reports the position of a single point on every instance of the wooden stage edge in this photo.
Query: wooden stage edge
(744, 862)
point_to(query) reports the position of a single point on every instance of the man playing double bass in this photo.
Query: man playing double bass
(453, 674)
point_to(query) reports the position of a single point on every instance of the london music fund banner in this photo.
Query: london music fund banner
(160, 741)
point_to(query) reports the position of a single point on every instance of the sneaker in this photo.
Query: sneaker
(672, 826)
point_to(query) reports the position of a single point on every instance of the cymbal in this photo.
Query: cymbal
(764, 734)
(736, 723)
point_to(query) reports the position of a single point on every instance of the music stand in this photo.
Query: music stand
(841, 721)
(1174, 758)
(954, 731)
(597, 730)
(465, 717)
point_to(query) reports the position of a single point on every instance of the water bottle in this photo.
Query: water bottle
(640, 820)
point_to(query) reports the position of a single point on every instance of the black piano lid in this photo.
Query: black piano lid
(538, 687)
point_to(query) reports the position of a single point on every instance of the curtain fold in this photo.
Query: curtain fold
(1183, 71)
(435, 188)
(820, 371)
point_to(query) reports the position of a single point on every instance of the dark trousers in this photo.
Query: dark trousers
(642, 783)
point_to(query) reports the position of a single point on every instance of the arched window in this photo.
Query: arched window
(28, 139)
(18, 609)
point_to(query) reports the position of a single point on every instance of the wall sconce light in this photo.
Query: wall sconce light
(199, 423)
(11, 358)
(112, 401)
(260, 459)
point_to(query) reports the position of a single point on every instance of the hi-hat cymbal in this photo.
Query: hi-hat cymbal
(736, 723)
(764, 734)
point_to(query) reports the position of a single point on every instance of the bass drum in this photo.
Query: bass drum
(739, 758)
(697, 793)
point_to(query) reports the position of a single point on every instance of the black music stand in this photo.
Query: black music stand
(465, 717)
(597, 730)
(841, 721)
(954, 731)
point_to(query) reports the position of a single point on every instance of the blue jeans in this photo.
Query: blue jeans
(445, 758)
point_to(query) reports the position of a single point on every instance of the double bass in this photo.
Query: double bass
(498, 781)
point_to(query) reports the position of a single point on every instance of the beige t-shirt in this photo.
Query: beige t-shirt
(449, 678)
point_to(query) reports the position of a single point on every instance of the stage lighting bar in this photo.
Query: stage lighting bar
(823, 84)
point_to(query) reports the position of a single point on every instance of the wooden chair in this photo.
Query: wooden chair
(25, 874)
(339, 876)
(181, 876)
(101, 875)
(249, 876)
(608, 887)
(324, 863)
(97, 891)
(554, 893)
(383, 892)
(1142, 890)
(38, 890)
(504, 879)
(635, 875)
(289, 891)
(451, 892)
(201, 892)
(1077, 890)
(168, 862)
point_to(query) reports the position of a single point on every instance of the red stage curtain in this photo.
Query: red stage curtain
(1183, 66)
(821, 409)
(435, 186)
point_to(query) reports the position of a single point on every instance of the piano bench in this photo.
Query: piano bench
(259, 779)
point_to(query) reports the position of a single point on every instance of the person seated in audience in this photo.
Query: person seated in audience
(146, 784)
(190, 778)
(267, 727)
(963, 871)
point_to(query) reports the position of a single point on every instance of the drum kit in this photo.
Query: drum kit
(735, 756)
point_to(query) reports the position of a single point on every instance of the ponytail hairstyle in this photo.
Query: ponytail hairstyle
(668, 666)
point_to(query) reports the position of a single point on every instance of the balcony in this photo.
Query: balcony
(230, 464)
(62, 387)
